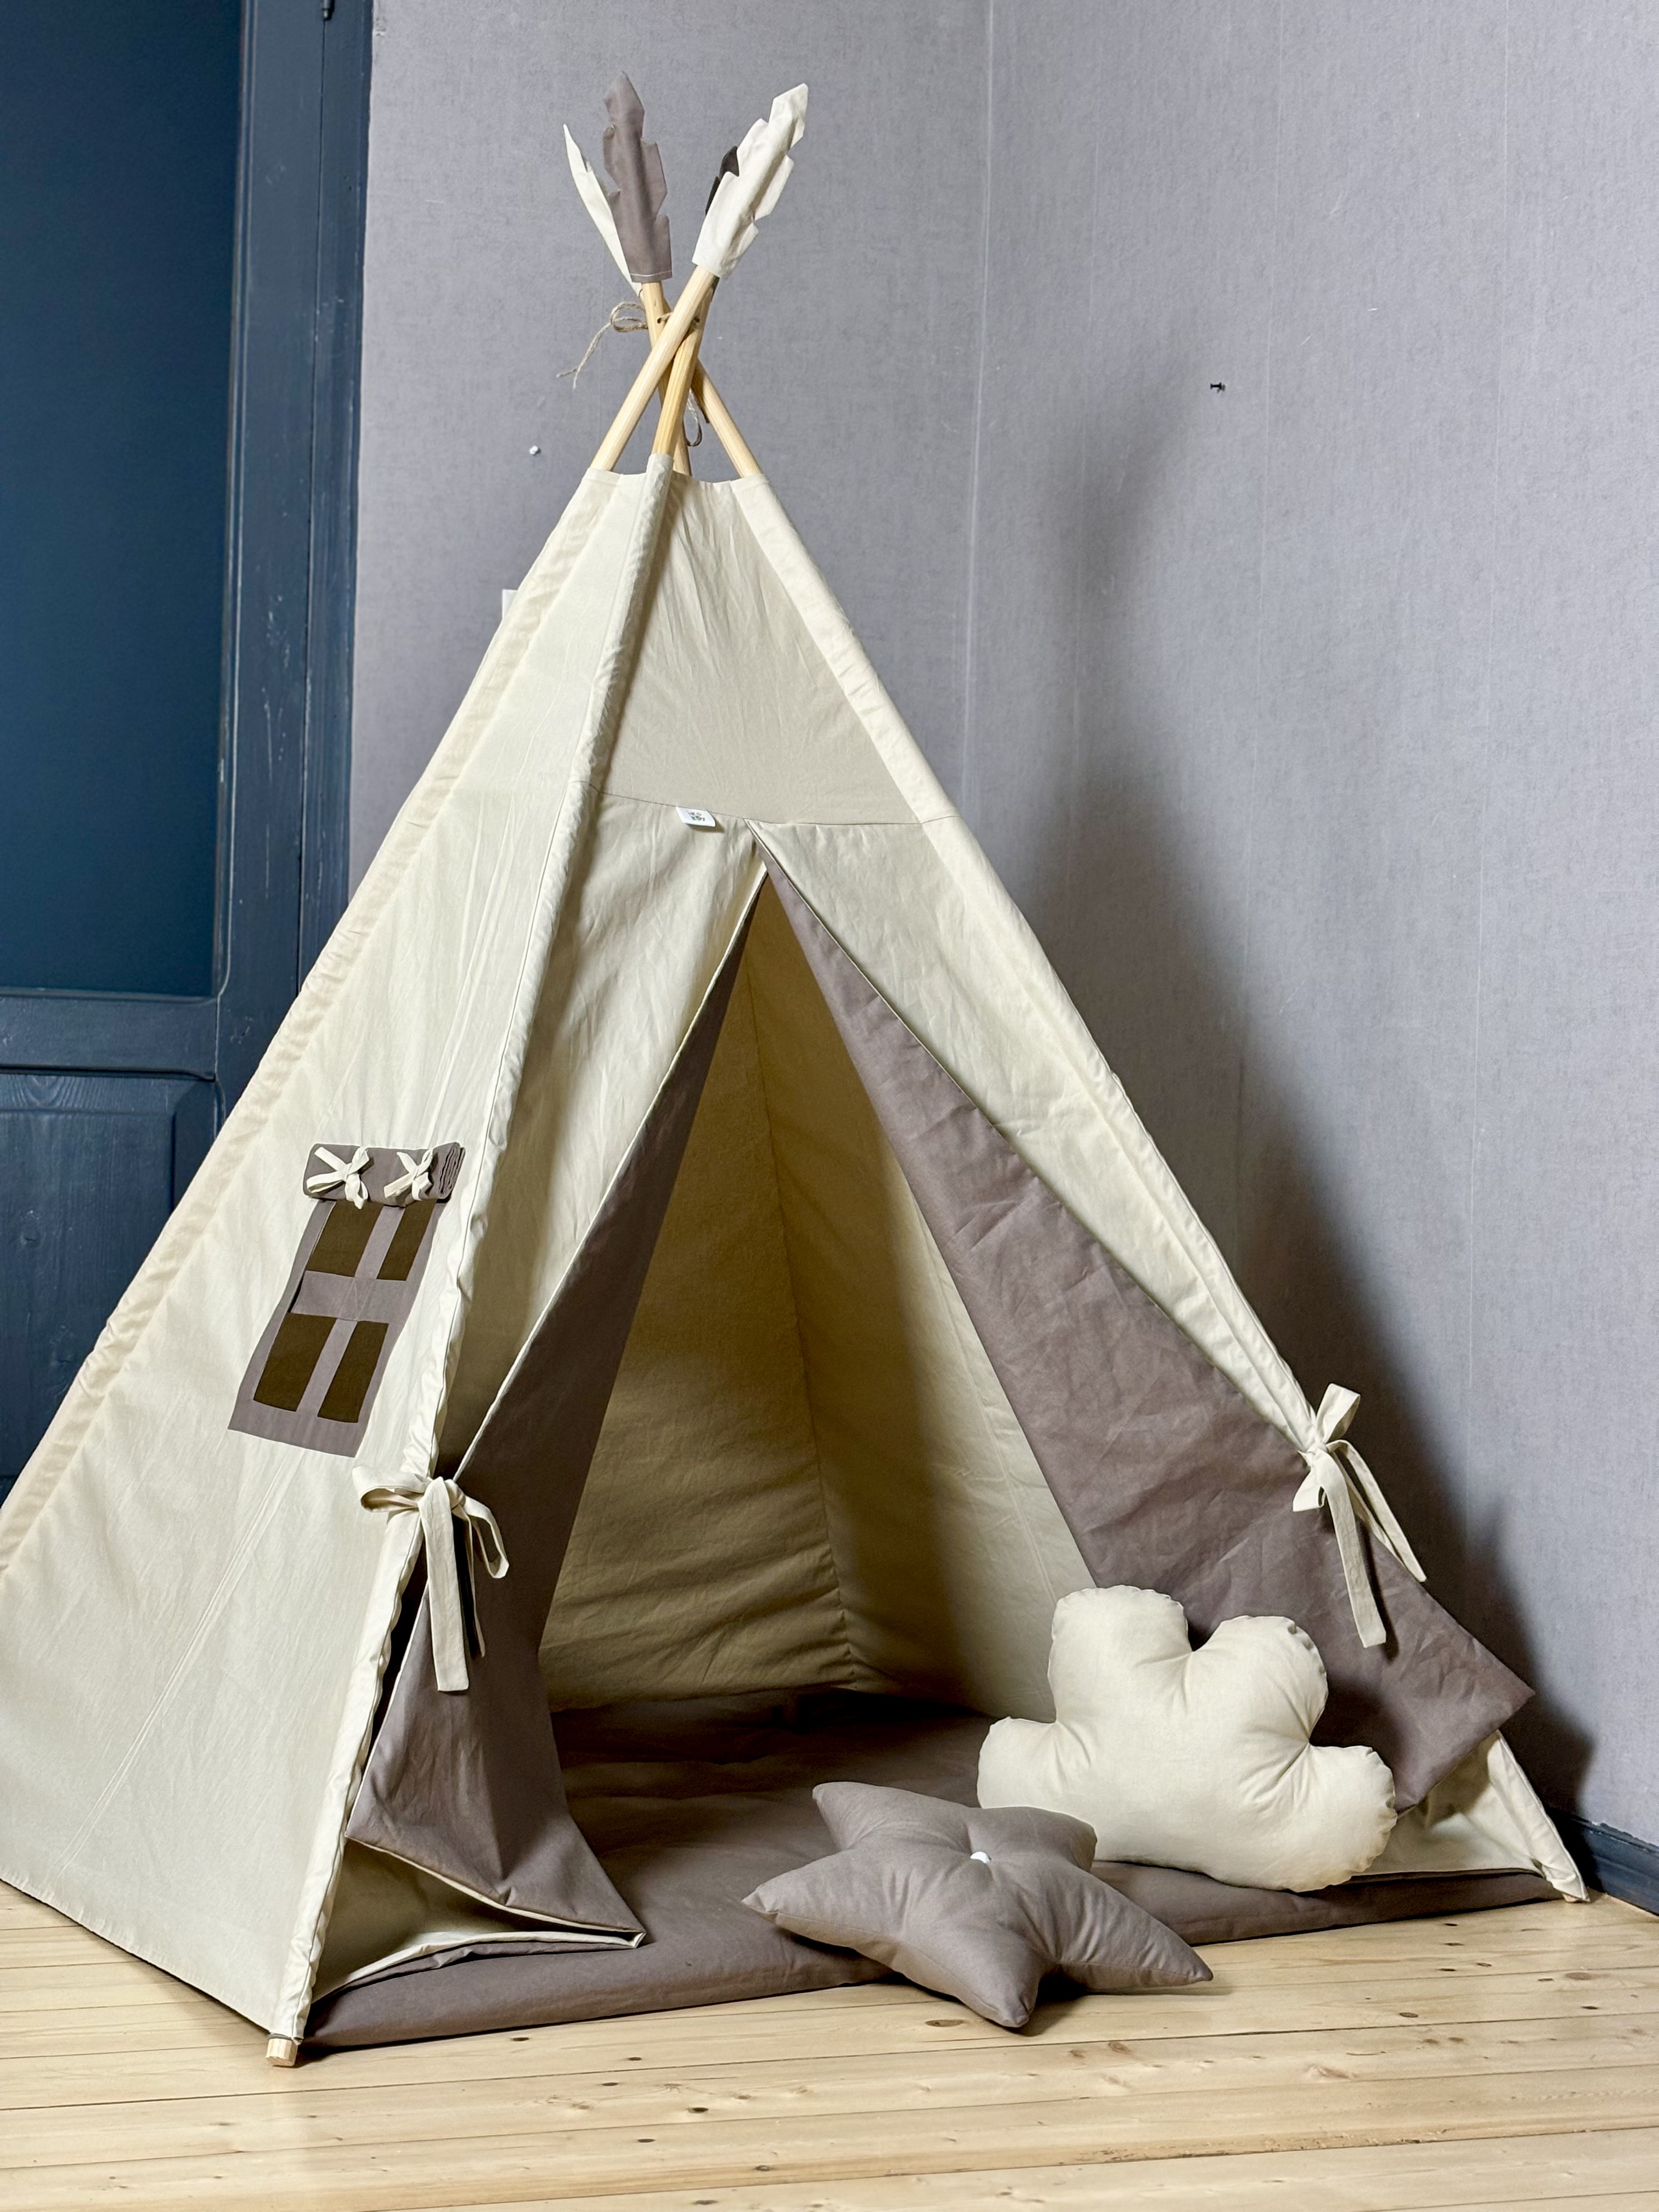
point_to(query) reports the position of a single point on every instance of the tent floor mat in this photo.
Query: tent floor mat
(689, 1804)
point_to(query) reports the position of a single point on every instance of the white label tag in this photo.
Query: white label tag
(696, 818)
(508, 598)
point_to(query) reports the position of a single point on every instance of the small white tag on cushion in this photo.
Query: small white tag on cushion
(697, 818)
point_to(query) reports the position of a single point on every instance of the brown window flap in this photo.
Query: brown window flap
(376, 1175)
(315, 1371)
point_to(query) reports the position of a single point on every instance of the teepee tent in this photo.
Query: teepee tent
(682, 1243)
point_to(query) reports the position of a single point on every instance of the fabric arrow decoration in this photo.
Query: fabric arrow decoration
(636, 205)
(594, 200)
(743, 198)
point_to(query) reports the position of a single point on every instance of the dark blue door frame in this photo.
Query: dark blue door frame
(285, 749)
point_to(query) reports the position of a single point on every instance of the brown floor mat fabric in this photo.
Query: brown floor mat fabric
(689, 1805)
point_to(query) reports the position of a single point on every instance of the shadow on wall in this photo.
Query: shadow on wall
(1156, 970)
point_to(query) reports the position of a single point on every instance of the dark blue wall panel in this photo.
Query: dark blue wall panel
(90, 1167)
(118, 133)
(181, 206)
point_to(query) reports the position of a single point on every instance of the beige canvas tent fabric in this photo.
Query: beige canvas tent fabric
(742, 1107)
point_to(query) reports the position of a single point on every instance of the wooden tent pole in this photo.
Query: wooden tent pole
(679, 391)
(720, 422)
(656, 310)
(737, 449)
(688, 311)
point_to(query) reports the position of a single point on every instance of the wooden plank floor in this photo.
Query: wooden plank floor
(1509, 2059)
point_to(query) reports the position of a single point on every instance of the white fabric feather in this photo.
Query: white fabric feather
(763, 171)
(597, 206)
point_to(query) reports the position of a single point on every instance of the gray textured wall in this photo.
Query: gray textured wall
(1309, 720)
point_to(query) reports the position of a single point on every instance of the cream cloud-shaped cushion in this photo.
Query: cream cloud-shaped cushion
(1193, 1758)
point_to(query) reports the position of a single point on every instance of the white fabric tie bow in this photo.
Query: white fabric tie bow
(1338, 1478)
(347, 1173)
(417, 1178)
(440, 1501)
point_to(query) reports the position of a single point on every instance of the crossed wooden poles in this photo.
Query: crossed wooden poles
(672, 368)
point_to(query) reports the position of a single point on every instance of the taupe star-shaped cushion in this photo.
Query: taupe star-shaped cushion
(977, 1905)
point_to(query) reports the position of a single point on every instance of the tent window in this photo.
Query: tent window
(344, 1399)
(315, 1371)
(405, 1245)
(345, 1234)
(293, 1360)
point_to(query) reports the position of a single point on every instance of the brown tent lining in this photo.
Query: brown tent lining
(468, 1787)
(1165, 1474)
(1168, 1477)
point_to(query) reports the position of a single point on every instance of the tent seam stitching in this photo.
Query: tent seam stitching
(921, 1044)
(466, 1459)
(800, 1340)
(960, 1318)
(457, 1290)
(834, 674)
